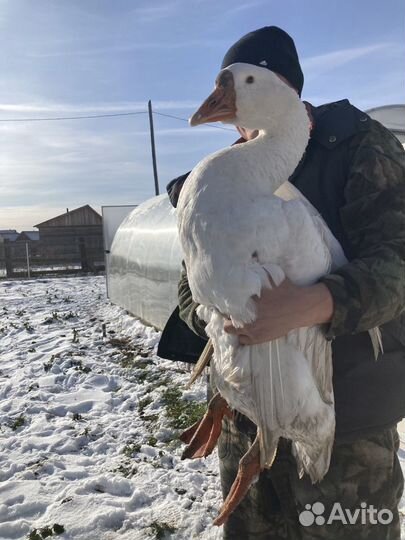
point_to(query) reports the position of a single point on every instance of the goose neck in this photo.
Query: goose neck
(277, 153)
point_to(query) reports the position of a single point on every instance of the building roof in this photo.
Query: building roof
(30, 235)
(9, 234)
(85, 215)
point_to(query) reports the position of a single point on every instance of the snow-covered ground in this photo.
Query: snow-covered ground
(89, 422)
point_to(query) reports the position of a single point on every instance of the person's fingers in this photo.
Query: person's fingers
(230, 329)
(243, 331)
(271, 280)
(245, 340)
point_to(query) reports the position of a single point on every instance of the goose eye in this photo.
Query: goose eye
(250, 79)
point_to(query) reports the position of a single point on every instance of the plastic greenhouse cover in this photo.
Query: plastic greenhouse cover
(392, 117)
(145, 262)
(113, 216)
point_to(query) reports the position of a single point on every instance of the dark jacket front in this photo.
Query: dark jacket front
(353, 172)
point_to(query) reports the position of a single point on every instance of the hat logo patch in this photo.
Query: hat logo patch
(263, 63)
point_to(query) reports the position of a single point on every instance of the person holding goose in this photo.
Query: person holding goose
(353, 173)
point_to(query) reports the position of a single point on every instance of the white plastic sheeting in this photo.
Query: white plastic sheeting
(392, 117)
(145, 262)
(401, 431)
(113, 216)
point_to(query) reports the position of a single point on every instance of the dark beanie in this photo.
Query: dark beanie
(268, 47)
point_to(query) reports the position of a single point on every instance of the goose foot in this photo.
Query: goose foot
(189, 433)
(203, 435)
(248, 472)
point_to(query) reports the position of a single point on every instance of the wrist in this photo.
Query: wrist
(318, 305)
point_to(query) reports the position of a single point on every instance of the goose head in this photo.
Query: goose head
(250, 96)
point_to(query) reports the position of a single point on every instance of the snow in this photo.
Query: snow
(85, 439)
(87, 436)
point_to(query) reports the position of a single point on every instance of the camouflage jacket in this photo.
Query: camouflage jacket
(353, 172)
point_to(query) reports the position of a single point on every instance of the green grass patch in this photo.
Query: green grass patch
(142, 363)
(128, 361)
(18, 422)
(152, 441)
(132, 360)
(46, 532)
(128, 471)
(143, 403)
(28, 327)
(70, 315)
(161, 530)
(151, 418)
(181, 413)
(130, 449)
(120, 343)
(78, 365)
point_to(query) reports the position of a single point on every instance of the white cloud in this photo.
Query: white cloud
(362, 86)
(154, 13)
(246, 6)
(315, 65)
(126, 47)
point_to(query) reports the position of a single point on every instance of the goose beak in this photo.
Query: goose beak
(220, 106)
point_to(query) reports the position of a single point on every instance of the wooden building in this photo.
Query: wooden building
(81, 222)
(76, 234)
(13, 245)
(69, 243)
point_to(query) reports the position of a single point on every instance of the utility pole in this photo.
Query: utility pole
(27, 254)
(152, 143)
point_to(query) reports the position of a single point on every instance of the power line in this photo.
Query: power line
(111, 115)
(57, 118)
(186, 120)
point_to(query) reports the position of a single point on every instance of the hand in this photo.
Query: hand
(284, 308)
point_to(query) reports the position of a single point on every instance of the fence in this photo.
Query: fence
(30, 259)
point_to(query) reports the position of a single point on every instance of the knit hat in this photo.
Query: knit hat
(268, 47)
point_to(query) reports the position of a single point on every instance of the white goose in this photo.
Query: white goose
(235, 232)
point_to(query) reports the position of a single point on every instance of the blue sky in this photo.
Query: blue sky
(77, 57)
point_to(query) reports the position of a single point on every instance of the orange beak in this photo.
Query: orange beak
(220, 105)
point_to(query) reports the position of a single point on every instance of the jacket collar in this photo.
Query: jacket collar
(335, 122)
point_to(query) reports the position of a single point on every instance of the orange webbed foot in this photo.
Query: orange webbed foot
(248, 472)
(189, 433)
(203, 435)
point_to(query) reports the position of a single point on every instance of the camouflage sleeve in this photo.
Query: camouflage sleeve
(187, 306)
(370, 290)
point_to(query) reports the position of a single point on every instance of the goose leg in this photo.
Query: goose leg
(203, 361)
(203, 435)
(248, 472)
(188, 433)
